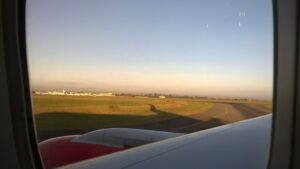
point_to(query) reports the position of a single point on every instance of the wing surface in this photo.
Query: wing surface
(241, 145)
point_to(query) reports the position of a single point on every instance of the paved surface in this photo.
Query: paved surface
(219, 114)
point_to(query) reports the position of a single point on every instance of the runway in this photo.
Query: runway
(219, 114)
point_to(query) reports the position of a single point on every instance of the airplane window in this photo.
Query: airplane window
(134, 67)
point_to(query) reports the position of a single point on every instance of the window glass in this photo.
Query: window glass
(166, 65)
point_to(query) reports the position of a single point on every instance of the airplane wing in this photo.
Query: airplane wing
(124, 137)
(241, 145)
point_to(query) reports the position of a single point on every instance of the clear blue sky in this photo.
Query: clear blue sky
(219, 48)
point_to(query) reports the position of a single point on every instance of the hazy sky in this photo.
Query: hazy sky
(220, 48)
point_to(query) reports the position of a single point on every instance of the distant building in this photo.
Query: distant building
(56, 92)
(161, 97)
(67, 93)
(104, 94)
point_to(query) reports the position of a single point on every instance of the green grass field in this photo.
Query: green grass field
(88, 113)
